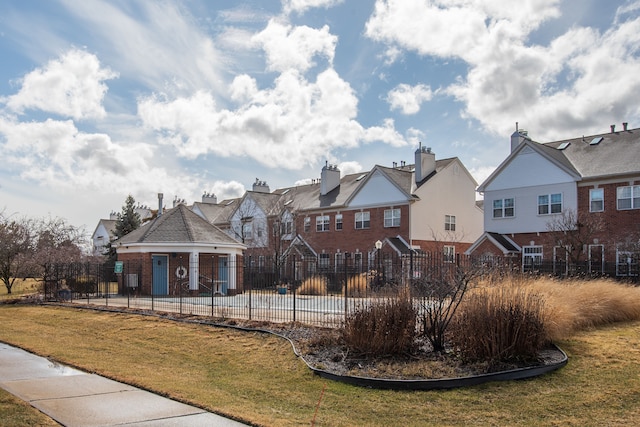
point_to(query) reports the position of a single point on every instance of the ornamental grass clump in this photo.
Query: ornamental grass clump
(314, 285)
(386, 327)
(497, 325)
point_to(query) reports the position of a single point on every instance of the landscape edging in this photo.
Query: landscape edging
(383, 383)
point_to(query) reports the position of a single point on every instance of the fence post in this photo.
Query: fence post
(250, 282)
(294, 290)
(346, 285)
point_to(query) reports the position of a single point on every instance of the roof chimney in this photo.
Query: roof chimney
(329, 178)
(624, 126)
(209, 198)
(518, 137)
(261, 186)
(613, 128)
(425, 163)
(160, 195)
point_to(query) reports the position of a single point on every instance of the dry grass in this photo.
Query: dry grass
(257, 378)
(572, 305)
(20, 287)
(17, 413)
(314, 285)
(359, 285)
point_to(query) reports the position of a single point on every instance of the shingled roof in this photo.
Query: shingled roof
(178, 225)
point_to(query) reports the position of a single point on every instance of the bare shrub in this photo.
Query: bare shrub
(384, 328)
(439, 296)
(500, 324)
(314, 285)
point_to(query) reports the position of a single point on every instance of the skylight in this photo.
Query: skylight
(596, 140)
(563, 145)
(361, 176)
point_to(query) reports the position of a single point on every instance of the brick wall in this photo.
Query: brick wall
(349, 239)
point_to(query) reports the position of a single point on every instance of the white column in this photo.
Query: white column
(194, 270)
(231, 271)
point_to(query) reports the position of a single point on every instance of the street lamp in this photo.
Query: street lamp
(378, 247)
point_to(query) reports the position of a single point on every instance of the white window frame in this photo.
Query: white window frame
(501, 206)
(450, 223)
(338, 222)
(533, 253)
(634, 197)
(247, 230)
(596, 200)
(392, 217)
(362, 220)
(324, 261)
(449, 253)
(322, 223)
(630, 260)
(307, 224)
(550, 207)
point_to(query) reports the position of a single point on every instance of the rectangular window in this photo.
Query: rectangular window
(626, 263)
(596, 200)
(449, 253)
(338, 221)
(322, 223)
(363, 220)
(324, 261)
(531, 258)
(504, 208)
(247, 230)
(629, 197)
(307, 224)
(450, 222)
(392, 218)
(549, 203)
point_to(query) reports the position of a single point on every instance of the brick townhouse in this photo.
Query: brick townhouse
(571, 200)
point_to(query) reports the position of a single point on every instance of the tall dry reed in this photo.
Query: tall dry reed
(314, 285)
(574, 305)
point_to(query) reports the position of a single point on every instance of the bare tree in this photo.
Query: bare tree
(16, 245)
(571, 232)
(440, 293)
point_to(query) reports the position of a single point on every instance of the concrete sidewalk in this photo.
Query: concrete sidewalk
(75, 398)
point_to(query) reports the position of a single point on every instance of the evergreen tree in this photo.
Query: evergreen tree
(128, 219)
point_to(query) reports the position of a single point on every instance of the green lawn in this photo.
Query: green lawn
(258, 379)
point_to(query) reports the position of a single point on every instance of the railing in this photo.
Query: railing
(292, 290)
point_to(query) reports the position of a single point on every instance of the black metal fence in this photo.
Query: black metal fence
(296, 289)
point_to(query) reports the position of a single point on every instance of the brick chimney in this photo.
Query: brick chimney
(329, 178)
(160, 196)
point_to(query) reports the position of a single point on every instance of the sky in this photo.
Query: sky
(102, 99)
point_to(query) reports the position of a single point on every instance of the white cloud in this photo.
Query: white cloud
(408, 98)
(293, 124)
(347, 168)
(572, 85)
(159, 44)
(227, 189)
(71, 86)
(300, 6)
(288, 47)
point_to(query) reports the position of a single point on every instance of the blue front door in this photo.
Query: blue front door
(160, 274)
(223, 274)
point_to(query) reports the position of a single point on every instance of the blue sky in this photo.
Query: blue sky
(101, 99)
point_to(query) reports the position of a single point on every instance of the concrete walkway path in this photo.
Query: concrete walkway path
(75, 398)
